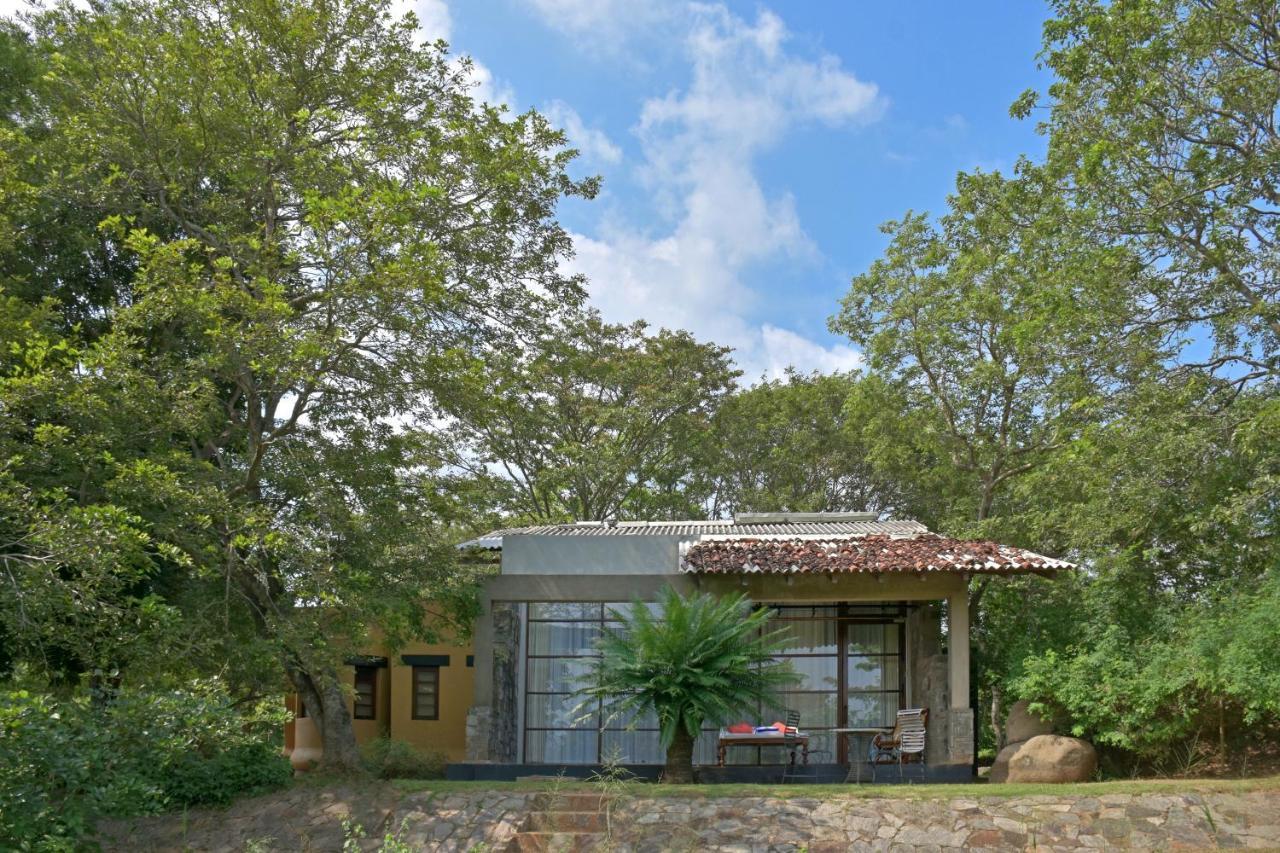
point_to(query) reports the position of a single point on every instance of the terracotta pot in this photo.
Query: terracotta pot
(307, 745)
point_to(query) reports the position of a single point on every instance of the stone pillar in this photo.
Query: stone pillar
(504, 727)
(960, 744)
(929, 676)
(479, 732)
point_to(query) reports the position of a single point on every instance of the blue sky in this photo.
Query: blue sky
(750, 151)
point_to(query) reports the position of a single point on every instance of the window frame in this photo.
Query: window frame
(370, 674)
(435, 674)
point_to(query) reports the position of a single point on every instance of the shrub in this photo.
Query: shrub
(65, 763)
(244, 768)
(395, 759)
(1203, 673)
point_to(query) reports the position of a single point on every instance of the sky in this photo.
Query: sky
(749, 152)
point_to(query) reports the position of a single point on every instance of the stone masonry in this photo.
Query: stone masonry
(310, 818)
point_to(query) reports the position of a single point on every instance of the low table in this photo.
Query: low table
(801, 740)
(857, 756)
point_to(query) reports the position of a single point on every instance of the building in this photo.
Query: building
(866, 601)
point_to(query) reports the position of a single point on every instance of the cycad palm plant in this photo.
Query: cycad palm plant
(702, 660)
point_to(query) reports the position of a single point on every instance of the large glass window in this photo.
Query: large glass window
(560, 649)
(849, 658)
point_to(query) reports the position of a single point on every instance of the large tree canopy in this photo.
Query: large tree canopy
(596, 421)
(323, 227)
(998, 321)
(1163, 115)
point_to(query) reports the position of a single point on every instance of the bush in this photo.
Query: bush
(244, 768)
(1204, 673)
(395, 759)
(65, 763)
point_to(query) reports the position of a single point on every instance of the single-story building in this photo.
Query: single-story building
(865, 600)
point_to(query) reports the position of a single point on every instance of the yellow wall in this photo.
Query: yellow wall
(457, 681)
(394, 700)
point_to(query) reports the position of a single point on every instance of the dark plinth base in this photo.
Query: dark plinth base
(710, 774)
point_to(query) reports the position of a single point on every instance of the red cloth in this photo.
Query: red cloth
(741, 729)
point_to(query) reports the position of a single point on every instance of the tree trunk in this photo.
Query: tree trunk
(996, 709)
(679, 769)
(327, 704)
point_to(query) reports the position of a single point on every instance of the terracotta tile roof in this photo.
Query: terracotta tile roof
(875, 553)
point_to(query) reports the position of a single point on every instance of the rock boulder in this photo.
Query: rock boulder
(1022, 725)
(1046, 758)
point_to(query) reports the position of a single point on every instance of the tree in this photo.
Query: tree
(999, 322)
(991, 337)
(795, 445)
(703, 660)
(596, 421)
(344, 230)
(1162, 114)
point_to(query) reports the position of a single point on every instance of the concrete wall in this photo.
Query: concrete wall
(591, 555)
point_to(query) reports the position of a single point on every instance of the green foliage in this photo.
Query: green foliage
(702, 659)
(1203, 673)
(993, 330)
(248, 252)
(596, 421)
(65, 763)
(386, 758)
(1162, 115)
(795, 444)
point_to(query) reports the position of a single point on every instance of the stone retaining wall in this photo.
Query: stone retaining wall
(1066, 823)
(310, 818)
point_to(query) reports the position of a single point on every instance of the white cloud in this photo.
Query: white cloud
(434, 18)
(747, 91)
(489, 89)
(783, 348)
(595, 145)
(604, 26)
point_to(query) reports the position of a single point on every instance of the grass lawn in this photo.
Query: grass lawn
(969, 791)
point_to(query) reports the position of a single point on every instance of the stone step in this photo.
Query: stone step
(555, 842)
(566, 821)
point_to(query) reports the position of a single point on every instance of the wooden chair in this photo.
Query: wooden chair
(793, 769)
(906, 741)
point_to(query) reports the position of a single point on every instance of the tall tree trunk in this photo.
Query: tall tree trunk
(996, 703)
(322, 693)
(679, 769)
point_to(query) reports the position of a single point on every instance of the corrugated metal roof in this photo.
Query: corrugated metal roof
(716, 528)
(871, 554)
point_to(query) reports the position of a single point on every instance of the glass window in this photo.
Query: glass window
(426, 692)
(638, 747)
(563, 638)
(807, 637)
(366, 693)
(561, 747)
(564, 611)
(559, 711)
(558, 675)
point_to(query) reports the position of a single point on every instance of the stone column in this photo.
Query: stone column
(929, 676)
(504, 727)
(960, 717)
